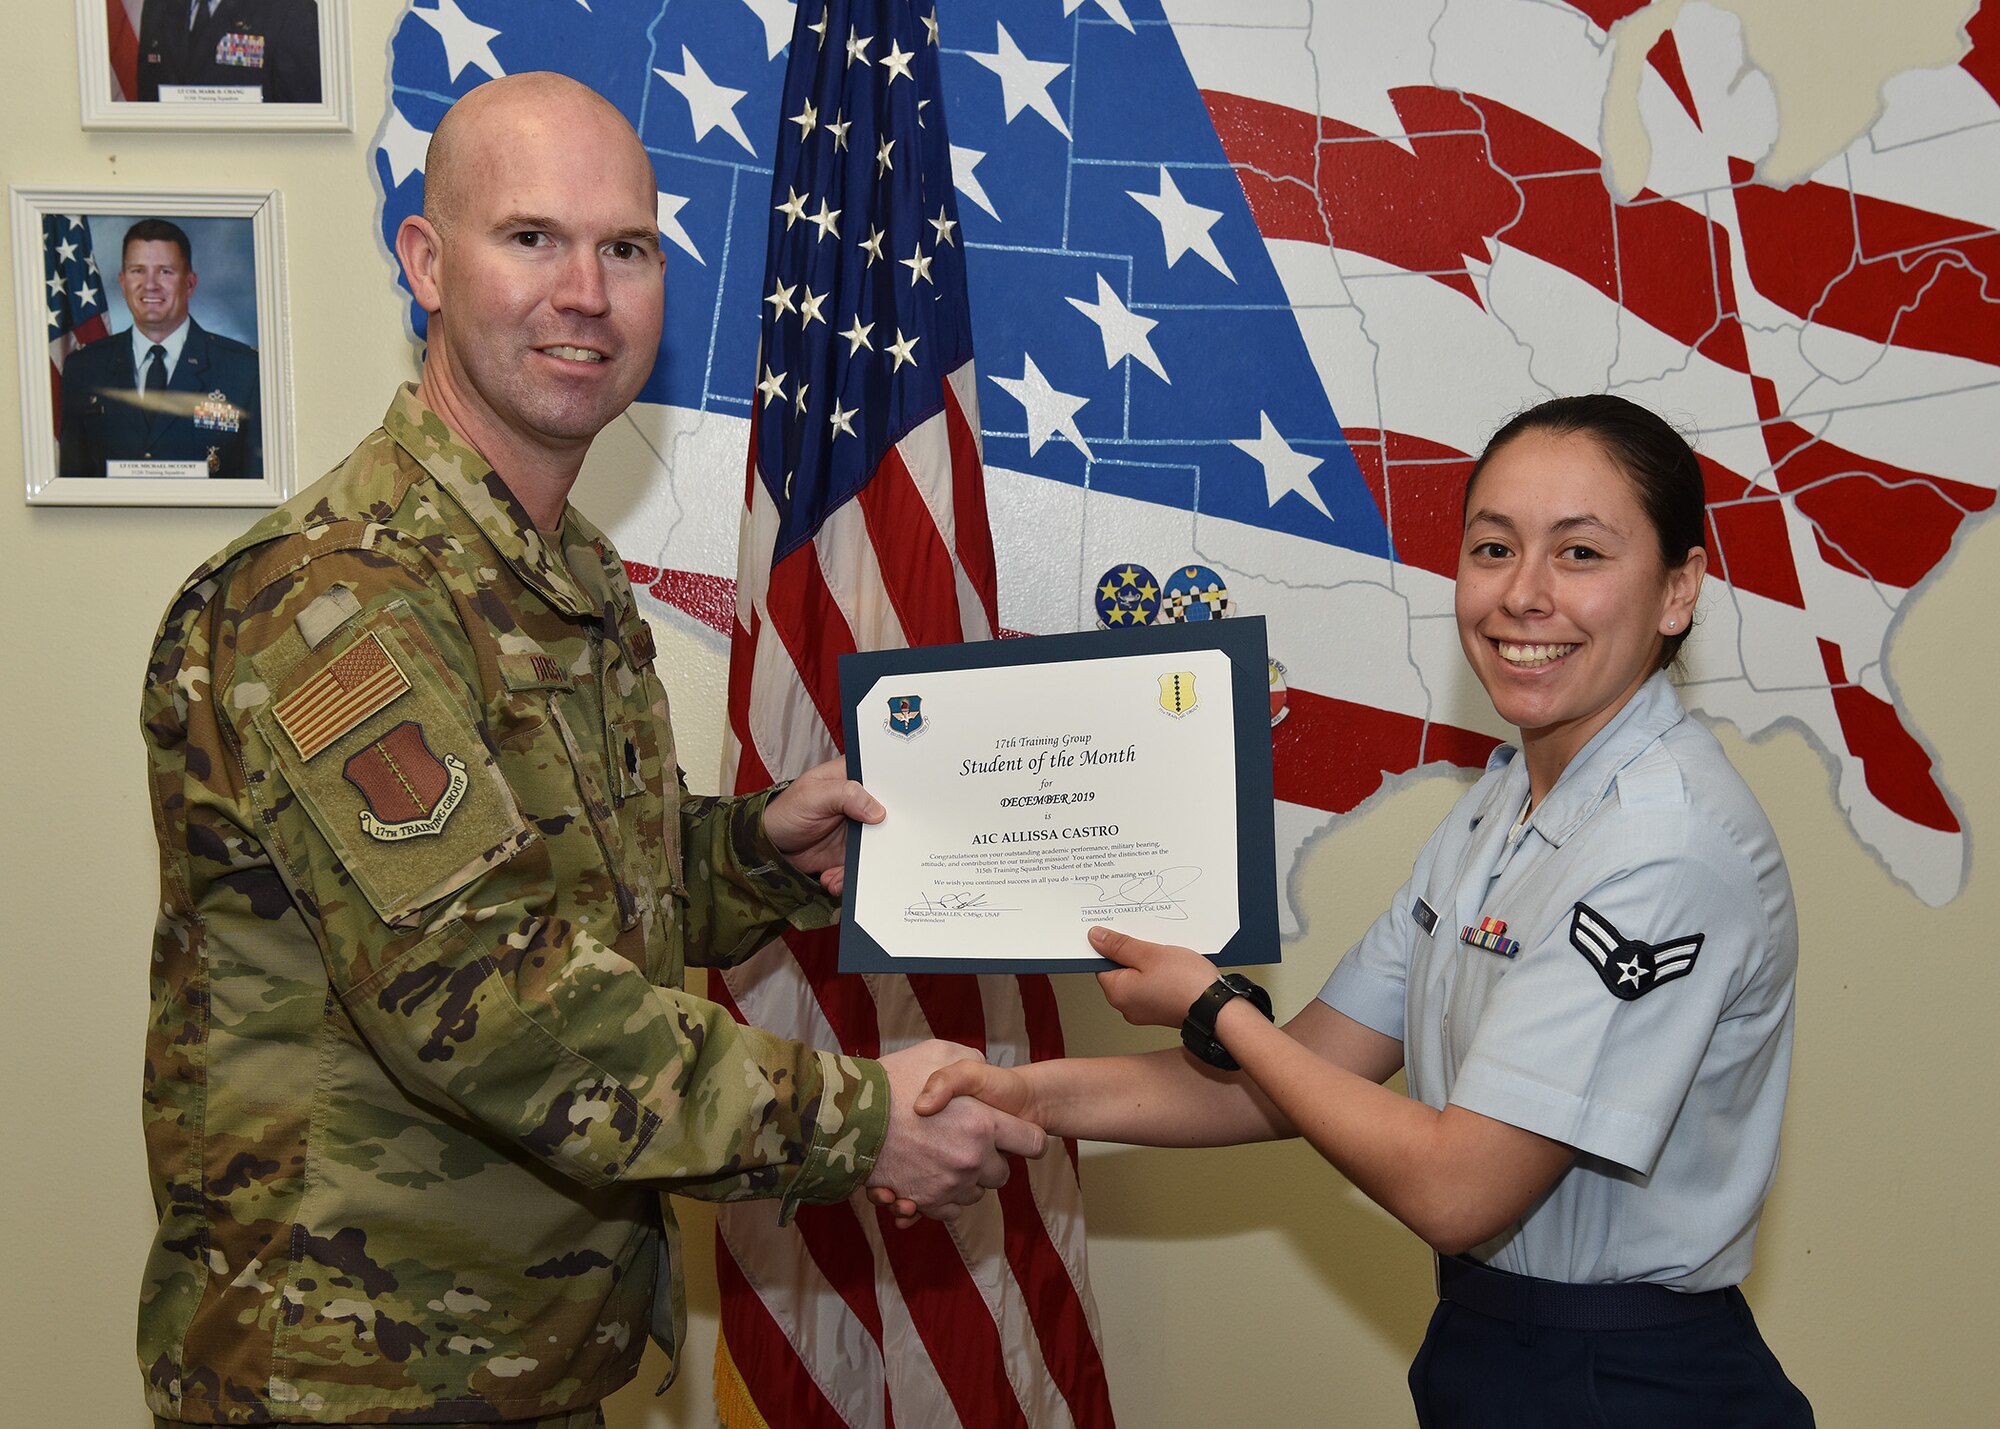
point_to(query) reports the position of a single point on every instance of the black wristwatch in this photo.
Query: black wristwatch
(1198, 1031)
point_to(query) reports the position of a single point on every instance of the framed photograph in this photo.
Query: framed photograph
(215, 64)
(159, 371)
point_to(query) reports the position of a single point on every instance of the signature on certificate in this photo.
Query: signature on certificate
(1156, 892)
(953, 901)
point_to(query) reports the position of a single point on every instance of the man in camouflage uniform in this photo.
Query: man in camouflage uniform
(419, 1062)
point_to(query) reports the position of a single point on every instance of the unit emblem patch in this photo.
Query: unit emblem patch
(1126, 595)
(1177, 696)
(410, 791)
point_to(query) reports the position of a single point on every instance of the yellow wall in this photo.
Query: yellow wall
(1224, 1279)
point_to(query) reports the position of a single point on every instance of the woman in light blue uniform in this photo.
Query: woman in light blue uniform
(1588, 977)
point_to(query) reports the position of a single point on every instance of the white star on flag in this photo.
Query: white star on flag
(1049, 411)
(66, 251)
(963, 162)
(778, 17)
(1124, 331)
(1024, 83)
(1112, 8)
(1284, 469)
(404, 145)
(1184, 226)
(897, 62)
(710, 105)
(466, 42)
(87, 295)
(666, 213)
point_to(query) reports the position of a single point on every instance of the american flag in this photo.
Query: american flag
(865, 528)
(121, 22)
(75, 296)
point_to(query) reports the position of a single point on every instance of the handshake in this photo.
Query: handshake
(949, 1136)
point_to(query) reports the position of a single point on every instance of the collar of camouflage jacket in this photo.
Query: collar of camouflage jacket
(482, 493)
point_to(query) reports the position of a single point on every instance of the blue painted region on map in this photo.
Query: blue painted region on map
(1062, 216)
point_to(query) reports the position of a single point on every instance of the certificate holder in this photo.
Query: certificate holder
(1038, 786)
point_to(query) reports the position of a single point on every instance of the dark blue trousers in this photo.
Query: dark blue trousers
(1478, 1372)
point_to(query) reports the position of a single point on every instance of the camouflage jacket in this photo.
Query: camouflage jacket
(418, 1062)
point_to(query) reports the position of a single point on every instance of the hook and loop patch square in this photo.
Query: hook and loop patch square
(382, 750)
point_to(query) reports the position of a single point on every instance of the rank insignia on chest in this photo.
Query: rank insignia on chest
(241, 49)
(411, 792)
(1491, 934)
(216, 413)
(1629, 968)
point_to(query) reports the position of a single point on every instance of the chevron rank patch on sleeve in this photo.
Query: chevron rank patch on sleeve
(1628, 967)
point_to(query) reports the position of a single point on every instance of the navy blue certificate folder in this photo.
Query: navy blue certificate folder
(1053, 705)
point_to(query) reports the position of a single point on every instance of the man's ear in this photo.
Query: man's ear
(420, 250)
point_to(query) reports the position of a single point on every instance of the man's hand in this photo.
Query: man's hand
(807, 823)
(1158, 983)
(935, 1164)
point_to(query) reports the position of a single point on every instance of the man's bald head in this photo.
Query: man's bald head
(488, 121)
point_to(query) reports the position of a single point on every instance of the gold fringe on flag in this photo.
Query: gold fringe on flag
(734, 1408)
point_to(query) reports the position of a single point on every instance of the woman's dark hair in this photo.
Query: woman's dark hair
(1657, 459)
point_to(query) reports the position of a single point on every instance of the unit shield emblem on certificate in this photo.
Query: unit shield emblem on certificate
(1177, 696)
(906, 715)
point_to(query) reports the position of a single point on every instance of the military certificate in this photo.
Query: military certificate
(1037, 787)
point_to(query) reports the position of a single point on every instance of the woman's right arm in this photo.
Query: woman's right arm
(1164, 1098)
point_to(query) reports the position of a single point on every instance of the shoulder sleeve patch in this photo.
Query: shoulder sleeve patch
(1630, 968)
(387, 762)
(339, 695)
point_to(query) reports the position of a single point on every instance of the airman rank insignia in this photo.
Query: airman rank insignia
(241, 49)
(216, 413)
(1194, 593)
(362, 680)
(1629, 968)
(410, 791)
(1177, 696)
(1491, 934)
(1127, 595)
(906, 715)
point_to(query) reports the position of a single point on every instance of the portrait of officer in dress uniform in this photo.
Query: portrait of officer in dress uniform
(271, 46)
(165, 397)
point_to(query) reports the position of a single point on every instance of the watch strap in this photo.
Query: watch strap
(1198, 1030)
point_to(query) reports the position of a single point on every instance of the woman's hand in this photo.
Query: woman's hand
(1158, 982)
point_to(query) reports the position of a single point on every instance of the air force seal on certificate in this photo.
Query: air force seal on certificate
(906, 716)
(1177, 696)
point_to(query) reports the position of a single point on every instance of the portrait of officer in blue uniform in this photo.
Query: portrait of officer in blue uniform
(268, 45)
(165, 390)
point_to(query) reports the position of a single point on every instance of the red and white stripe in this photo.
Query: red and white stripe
(840, 1319)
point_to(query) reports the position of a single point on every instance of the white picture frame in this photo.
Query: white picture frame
(107, 104)
(234, 229)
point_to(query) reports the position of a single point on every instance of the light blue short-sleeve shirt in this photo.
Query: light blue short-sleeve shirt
(1616, 974)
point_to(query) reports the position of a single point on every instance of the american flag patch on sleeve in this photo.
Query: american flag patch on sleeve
(362, 680)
